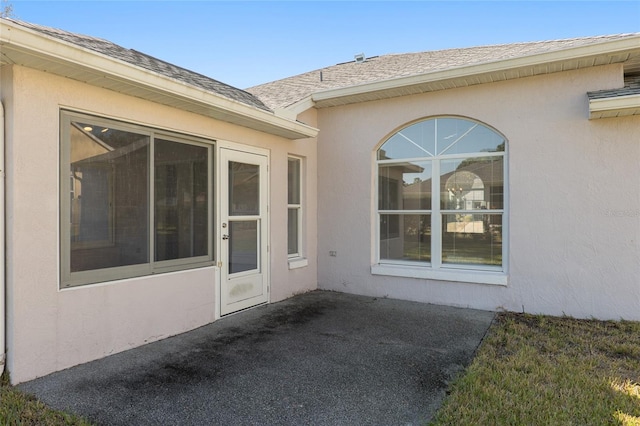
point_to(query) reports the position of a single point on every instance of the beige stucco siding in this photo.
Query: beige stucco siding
(574, 196)
(50, 329)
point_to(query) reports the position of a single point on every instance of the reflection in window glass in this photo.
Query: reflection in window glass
(389, 226)
(441, 136)
(450, 131)
(244, 189)
(132, 203)
(181, 201)
(417, 140)
(404, 186)
(243, 246)
(405, 237)
(472, 239)
(293, 181)
(471, 138)
(109, 203)
(294, 206)
(459, 162)
(472, 183)
(292, 230)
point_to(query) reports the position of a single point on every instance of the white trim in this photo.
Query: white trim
(436, 268)
(298, 206)
(298, 262)
(560, 60)
(616, 106)
(30, 48)
(442, 274)
(436, 217)
(285, 113)
(224, 150)
(443, 156)
(302, 105)
(3, 283)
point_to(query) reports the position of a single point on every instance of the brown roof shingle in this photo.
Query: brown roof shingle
(282, 93)
(631, 87)
(149, 63)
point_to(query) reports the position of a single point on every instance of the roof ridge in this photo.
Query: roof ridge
(468, 48)
(519, 43)
(286, 91)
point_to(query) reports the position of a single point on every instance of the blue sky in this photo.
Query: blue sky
(246, 43)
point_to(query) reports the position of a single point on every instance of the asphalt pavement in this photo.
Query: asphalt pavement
(321, 358)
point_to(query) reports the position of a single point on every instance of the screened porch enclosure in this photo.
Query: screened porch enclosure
(138, 201)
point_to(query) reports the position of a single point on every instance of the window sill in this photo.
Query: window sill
(298, 262)
(114, 278)
(465, 276)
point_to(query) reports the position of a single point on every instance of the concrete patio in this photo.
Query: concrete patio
(319, 358)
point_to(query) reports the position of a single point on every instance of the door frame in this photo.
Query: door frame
(218, 245)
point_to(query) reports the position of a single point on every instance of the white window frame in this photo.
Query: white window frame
(70, 279)
(436, 270)
(297, 259)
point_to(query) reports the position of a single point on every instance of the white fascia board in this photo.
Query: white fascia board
(566, 55)
(61, 53)
(302, 105)
(614, 106)
(285, 113)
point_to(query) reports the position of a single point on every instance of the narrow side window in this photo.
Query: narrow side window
(294, 206)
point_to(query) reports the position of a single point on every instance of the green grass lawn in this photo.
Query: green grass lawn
(464, 250)
(18, 409)
(536, 370)
(529, 370)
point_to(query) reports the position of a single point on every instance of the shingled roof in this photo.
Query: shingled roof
(631, 87)
(149, 63)
(283, 93)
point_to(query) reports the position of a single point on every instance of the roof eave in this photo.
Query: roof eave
(301, 106)
(603, 53)
(616, 106)
(23, 46)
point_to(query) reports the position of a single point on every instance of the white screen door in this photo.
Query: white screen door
(243, 252)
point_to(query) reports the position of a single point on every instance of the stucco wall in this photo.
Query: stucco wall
(305, 278)
(574, 196)
(51, 329)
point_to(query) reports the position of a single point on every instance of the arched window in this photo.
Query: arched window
(441, 200)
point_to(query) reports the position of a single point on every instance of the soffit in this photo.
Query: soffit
(616, 102)
(626, 51)
(616, 106)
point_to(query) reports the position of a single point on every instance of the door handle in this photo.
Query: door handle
(225, 237)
